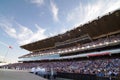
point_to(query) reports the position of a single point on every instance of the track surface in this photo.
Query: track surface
(18, 75)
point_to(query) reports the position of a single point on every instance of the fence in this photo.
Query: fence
(77, 76)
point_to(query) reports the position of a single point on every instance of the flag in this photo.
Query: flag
(10, 47)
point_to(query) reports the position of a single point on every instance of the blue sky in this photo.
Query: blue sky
(25, 21)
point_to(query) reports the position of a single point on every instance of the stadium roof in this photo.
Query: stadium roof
(101, 27)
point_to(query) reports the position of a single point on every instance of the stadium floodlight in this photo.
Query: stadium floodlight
(115, 41)
(66, 50)
(69, 50)
(50, 53)
(100, 44)
(74, 49)
(94, 45)
(88, 46)
(83, 48)
(107, 43)
(78, 48)
(58, 52)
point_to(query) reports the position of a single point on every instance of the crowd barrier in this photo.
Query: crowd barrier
(77, 76)
(107, 78)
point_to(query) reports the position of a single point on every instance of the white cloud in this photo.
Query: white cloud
(54, 10)
(89, 11)
(1, 57)
(31, 36)
(22, 34)
(61, 31)
(37, 2)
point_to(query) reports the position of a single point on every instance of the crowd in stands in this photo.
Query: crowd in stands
(100, 67)
(97, 43)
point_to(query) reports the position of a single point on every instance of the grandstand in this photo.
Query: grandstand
(92, 50)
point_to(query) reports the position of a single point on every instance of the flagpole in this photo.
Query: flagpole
(9, 47)
(6, 54)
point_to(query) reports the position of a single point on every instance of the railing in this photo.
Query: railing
(78, 76)
(81, 38)
(107, 78)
